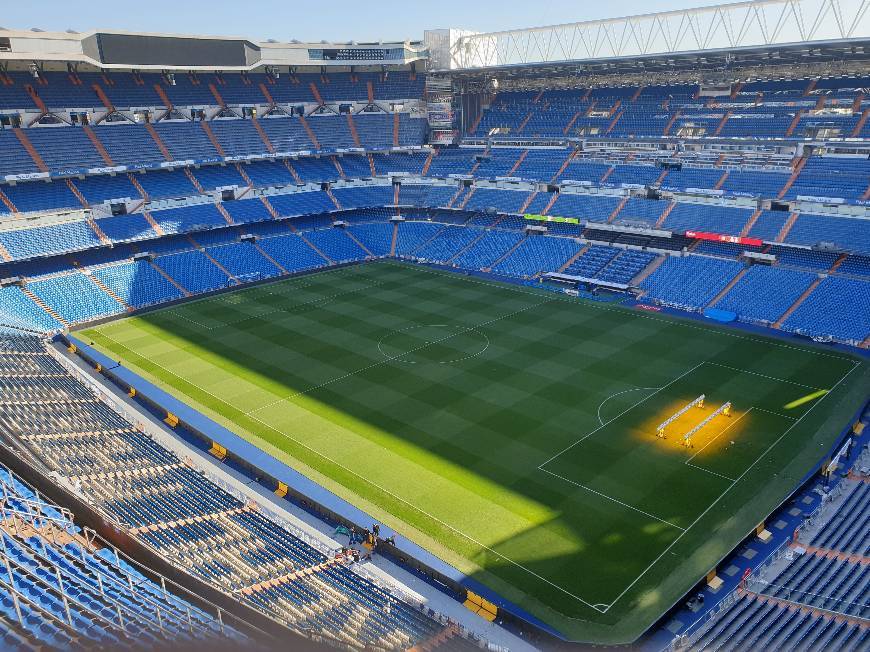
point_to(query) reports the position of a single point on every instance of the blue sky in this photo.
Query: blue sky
(313, 20)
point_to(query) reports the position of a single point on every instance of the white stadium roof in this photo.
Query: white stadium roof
(736, 26)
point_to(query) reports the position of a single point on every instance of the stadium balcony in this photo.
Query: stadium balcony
(72, 593)
(704, 217)
(757, 110)
(690, 282)
(751, 297)
(488, 250)
(365, 196)
(317, 169)
(128, 144)
(211, 177)
(536, 255)
(186, 140)
(837, 307)
(808, 592)
(60, 589)
(59, 91)
(359, 166)
(114, 284)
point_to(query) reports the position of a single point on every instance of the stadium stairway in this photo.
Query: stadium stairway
(727, 288)
(831, 553)
(616, 211)
(799, 166)
(105, 288)
(269, 258)
(217, 264)
(194, 181)
(351, 126)
(428, 163)
(78, 193)
(789, 223)
(206, 127)
(265, 138)
(338, 167)
(573, 259)
(184, 291)
(153, 223)
(528, 202)
(859, 126)
(98, 145)
(648, 270)
(7, 202)
(359, 243)
(803, 297)
(28, 146)
(39, 302)
(466, 248)
(159, 142)
(506, 254)
(311, 135)
(269, 207)
(667, 211)
(96, 228)
(293, 172)
(744, 232)
(311, 244)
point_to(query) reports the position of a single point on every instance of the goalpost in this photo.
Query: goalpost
(660, 430)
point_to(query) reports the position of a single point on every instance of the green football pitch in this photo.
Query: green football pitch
(509, 430)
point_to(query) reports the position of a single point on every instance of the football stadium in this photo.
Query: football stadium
(538, 339)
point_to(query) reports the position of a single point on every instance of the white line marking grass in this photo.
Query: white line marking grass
(855, 365)
(626, 391)
(368, 481)
(625, 411)
(389, 359)
(640, 314)
(733, 481)
(612, 499)
(175, 311)
(600, 607)
(721, 432)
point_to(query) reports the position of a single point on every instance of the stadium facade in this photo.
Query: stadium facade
(185, 216)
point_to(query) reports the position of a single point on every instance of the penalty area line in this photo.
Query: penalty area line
(612, 499)
(625, 411)
(721, 432)
(730, 487)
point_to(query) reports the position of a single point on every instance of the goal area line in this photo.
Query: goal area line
(689, 462)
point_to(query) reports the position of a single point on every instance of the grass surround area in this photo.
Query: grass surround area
(509, 430)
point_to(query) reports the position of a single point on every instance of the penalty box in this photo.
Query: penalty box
(626, 461)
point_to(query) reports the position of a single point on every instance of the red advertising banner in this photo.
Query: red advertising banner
(718, 237)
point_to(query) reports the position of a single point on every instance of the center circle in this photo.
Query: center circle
(433, 344)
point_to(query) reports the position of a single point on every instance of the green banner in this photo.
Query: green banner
(552, 218)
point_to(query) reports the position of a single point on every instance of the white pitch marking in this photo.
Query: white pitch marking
(739, 478)
(369, 482)
(722, 432)
(628, 409)
(755, 373)
(288, 310)
(415, 326)
(701, 468)
(633, 389)
(639, 314)
(393, 358)
(777, 414)
(615, 500)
